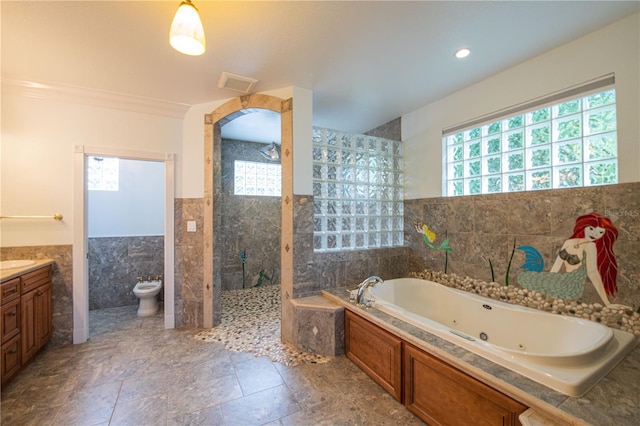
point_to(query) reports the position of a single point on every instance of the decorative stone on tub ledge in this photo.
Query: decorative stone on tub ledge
(621, 319)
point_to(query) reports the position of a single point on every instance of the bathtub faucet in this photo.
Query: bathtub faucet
(372, 280)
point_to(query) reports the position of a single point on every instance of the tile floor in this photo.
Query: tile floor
(134, 372)
(251, 323)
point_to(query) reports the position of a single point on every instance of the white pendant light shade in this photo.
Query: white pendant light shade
(186, 34)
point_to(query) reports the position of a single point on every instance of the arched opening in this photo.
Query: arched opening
(212, 238)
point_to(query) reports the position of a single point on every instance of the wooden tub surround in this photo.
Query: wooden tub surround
(445, 384)
(431, 389)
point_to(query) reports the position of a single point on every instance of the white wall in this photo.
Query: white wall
(302, 141)
(615, 48)
(190, 182)
(135, 209)
(37, 152)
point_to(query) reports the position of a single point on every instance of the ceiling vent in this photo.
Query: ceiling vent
(236, 82)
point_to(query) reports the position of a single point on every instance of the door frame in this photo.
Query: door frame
(80, 246)
(211, 285)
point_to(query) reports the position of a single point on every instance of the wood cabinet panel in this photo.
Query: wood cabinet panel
(44, 314)
(34, 279)
(28, 327)
(376, 351)
(10, 320)
(442, 395)
(11, 359)
(10, 290)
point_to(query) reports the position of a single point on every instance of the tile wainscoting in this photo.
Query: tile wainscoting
(484, 227)
(114, 265)
(479, 227)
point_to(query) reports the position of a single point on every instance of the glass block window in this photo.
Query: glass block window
(103, 173)
(566, 144)
(251, 178)
(358, 191)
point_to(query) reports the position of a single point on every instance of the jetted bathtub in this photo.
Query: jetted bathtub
(564, 353)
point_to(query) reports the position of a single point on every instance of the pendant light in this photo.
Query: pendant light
(186, 34)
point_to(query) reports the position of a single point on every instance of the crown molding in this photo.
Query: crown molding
(94, 97)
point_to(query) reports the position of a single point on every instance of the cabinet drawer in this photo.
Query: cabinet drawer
(35, 279)
(9, 290)
(9, 320)
(11, 359)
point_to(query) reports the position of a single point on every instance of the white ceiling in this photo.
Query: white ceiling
(366, 62)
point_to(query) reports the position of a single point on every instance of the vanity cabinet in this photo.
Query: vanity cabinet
(433, 390)
(26, 315)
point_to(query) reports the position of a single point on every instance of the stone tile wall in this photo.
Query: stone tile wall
(249, 223)
(62, 285)
(188, 272)
(484, 227)
(390, 130)
(114, 265)
(314, 272)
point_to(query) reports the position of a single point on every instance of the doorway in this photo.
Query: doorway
(80, 239)
(212, 261)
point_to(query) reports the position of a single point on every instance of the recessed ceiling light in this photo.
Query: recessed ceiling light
(462, 53)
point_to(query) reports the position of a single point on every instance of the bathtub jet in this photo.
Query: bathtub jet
(567, 354)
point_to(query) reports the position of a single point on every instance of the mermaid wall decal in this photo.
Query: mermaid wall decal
(588, 252)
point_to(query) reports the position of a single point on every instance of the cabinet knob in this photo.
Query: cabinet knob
(10, 292)
(13, 313)
(13, 351)
(40, 293)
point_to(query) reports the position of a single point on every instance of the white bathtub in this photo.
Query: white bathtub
(567, 354)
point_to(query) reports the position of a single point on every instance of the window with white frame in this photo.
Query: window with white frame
(358, 192)
(261, 179)
(569, 143)
(103, 173)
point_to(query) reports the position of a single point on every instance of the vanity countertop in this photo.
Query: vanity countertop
(614, 401)
(7, 274)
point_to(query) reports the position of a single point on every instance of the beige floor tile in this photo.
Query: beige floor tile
(257, 374)
(260, 407)
(208, 417)
(146, 411)
(138, 373)
(204, 395)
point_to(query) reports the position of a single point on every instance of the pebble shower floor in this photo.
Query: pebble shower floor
(251, 323)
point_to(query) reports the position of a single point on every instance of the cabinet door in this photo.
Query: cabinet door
(43, 315)
(28, 330)
(11, 359)
(10, 320)
(36, 320)
(376, 351)
(442, 395)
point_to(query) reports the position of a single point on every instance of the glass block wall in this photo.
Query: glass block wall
(358, 191)
(569, 144)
